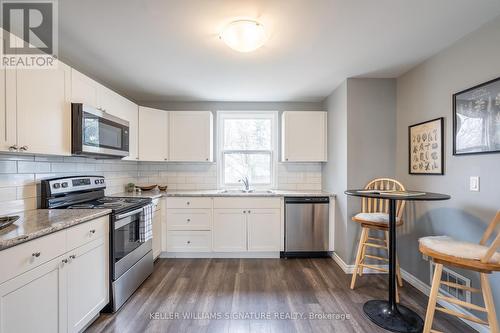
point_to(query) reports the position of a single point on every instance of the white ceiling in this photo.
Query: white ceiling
(154, 50)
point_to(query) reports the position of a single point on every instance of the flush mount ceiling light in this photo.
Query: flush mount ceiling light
(244, 35)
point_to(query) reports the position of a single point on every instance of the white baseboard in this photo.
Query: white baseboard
(247, 255)
(348, 269)
(419, 285)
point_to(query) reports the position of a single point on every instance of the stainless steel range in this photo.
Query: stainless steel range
(131, 260)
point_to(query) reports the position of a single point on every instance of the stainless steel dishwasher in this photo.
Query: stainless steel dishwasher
(306, 226)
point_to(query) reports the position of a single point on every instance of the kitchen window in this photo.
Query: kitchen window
(247, 147)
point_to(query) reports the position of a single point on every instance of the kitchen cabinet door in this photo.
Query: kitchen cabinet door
(230, 230)
(304, 136)
(43, 110)
(264, 230)
(84, 89)
(35, 301)
(153, 134)
(157, 235)
(87, 282)
(191, 136)
(8, 125)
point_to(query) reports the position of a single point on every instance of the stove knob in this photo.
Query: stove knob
(64, 185)
(96, 181)
(56, 185)
(102, 181)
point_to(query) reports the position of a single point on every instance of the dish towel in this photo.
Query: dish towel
(146, 224)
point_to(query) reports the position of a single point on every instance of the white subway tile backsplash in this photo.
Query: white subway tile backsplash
(32, 167)
(8, 167)
(20, 174)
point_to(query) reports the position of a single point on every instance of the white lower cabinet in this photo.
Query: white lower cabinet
(264, 229)
(87, 283)
(157, 228)
(35, 301)
(62, 294)
(230, 230)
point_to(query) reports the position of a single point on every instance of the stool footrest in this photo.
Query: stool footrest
(459, 286)
(376, 245)
(463, 316)
(462, 303)
(376, 257)
(374, 267)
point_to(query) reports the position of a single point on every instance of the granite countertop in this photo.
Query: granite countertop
(219, 193)
(40, 222)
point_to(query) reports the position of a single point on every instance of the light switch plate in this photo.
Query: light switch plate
(474, 183)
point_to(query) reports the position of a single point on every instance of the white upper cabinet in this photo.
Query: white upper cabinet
(84, 89)
(8, 125)
(153, 134)
(43, 110)
(191, 136)
(304, 136)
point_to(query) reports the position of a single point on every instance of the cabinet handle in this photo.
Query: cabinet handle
(188, 220)
(65, 261)
(249, 211)
(206, 159)
(92, 232)
(188, 203)
(165, 159)
(244, 212)
(189, 242)
(73, 256)
(13, 148)
(36, 254)
(286, 159)
(23, 148)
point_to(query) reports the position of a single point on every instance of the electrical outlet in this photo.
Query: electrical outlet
(474, 183)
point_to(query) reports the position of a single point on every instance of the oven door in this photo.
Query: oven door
(127, 248)
(96, 132)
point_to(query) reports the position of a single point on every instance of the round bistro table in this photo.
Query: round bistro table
(388, 314)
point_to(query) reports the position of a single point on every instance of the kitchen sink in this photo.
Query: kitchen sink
(246, 192)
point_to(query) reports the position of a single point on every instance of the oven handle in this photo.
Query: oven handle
(121, 216)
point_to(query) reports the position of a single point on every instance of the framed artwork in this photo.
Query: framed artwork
(426, 148)
(476, 119)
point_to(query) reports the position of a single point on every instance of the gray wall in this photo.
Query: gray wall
(335, 170)
(425, 93)
(362, 133)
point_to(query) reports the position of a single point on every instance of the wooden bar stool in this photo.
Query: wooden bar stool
(374, 216)
(476, 257)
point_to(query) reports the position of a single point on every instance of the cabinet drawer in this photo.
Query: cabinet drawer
(247, 203)
(189, 241)
(87, 232)
(189, 202)
(189, 219)
(23, 257)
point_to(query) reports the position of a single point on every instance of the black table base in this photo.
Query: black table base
(399, 319)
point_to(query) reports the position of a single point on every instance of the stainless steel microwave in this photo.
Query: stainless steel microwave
(98, 134)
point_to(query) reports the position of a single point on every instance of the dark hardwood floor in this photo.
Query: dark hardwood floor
(254, 292)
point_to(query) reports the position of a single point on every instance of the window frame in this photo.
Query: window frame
(221, 116)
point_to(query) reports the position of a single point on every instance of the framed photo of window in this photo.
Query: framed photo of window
(476, 119)
(426, 148)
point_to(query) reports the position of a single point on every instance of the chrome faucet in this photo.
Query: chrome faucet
(246, 183)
